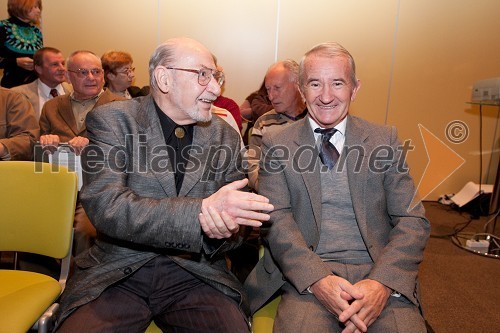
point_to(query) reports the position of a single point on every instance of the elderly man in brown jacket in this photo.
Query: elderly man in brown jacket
(63, 121)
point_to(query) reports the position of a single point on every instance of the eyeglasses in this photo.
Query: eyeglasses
(127, 71)
(84, 73)
(204, 75)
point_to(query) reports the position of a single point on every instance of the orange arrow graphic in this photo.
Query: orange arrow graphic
(443, 162)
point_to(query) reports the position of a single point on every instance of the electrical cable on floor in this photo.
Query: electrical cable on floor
(485, 227)
(462, 225)
(491, 247)
(455, 230)
(458, 227)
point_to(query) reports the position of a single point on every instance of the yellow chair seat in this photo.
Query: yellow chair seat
(153, 328)
(263, 319)
(23, 296)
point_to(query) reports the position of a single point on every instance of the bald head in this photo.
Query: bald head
(171, 51)
(182, 80)
(85, 74)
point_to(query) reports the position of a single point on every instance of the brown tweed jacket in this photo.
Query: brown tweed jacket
(18, 126)
(57, 116)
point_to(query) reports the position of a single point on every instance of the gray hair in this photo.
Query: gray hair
(330, 50)
(162, 56)
(293, 67)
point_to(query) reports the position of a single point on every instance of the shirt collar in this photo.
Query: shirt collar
(18, 21)
(45, 89)
(95, 98)
(300, 116)
(168, 125)
(340, 126)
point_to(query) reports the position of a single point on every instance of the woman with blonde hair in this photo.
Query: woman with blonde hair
(20, 37)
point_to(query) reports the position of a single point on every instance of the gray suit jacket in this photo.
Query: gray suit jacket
(129, 194)
(394, 233)
(30, 90)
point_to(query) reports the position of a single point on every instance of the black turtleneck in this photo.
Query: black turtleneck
(178, 139)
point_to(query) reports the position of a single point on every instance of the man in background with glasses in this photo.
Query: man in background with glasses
(63, 118)
(163, 181)
(63, 121)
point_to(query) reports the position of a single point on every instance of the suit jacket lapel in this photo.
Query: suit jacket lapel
(149, 126)
(312, 180)
(68, 88)
(105, 97)
(32, 89)
(201, 139)
(66, 111)
(356, 137)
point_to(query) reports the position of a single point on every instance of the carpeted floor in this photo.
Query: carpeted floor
(460, 289)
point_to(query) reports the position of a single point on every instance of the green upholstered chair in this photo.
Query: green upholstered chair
(37, 206)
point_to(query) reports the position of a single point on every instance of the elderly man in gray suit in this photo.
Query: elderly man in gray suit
(50, 68)
(345, 240)
(159, 171)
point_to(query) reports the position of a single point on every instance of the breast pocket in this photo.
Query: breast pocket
(91, 258)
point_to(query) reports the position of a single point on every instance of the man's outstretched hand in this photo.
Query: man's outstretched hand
(223, 212)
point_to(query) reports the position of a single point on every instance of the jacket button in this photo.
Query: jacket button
(127, 271)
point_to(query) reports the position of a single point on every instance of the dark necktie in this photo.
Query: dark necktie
(54, 93)
(327, 151)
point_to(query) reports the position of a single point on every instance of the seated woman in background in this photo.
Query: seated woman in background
(119, 75)
(256, 104)
(20, 37)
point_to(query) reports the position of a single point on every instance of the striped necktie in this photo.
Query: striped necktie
(327, 151)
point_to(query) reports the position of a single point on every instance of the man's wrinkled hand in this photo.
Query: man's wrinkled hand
(228, 208)
(336, 293)
(78, 143)
(50, 142)
(370, 306)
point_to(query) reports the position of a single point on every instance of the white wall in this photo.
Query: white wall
(417, 60)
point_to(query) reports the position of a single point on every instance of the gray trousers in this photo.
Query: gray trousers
(304, 313)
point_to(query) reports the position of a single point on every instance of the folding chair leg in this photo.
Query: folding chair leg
(46, 321)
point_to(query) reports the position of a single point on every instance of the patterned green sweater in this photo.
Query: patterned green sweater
(17, 39)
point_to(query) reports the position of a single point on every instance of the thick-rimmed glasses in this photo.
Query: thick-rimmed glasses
(204, 75)
(127, 71)
(83, 72)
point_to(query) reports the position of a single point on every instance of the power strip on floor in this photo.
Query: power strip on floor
(477, 245)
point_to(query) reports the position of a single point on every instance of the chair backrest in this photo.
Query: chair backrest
(37, 207)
